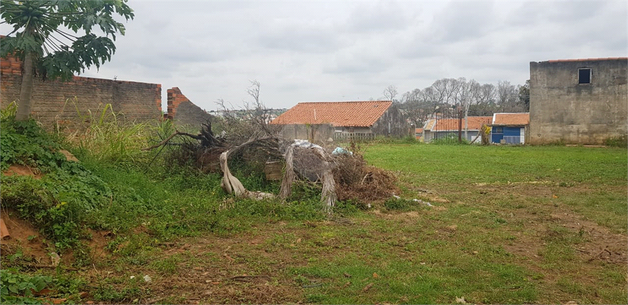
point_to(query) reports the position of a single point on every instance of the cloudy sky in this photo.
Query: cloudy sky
(352, 50)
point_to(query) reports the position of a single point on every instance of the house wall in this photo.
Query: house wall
(392, 123)
(511, 135)
(315, 133)
(561, 109)
(57, 101)
(429, 136)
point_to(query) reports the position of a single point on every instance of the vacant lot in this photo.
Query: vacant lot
(505, 225)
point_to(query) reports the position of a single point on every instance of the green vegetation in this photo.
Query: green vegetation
(19, 288)
(40, 39)
(506, 225)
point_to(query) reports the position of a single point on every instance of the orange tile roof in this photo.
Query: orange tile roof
(474, 123)
(511, 118)
(418, 130)
(588, 59)
(351, 114)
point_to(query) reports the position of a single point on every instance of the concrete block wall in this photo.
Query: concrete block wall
(562, 110)
(57, 101)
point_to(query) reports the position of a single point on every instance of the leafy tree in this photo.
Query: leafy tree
(524, 95)
(42, 38)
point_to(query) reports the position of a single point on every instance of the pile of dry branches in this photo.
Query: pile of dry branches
(362, 183)
(343, 176)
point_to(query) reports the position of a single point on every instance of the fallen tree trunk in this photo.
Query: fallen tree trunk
(232, 185)
(288, 176)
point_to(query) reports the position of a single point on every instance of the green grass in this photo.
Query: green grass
(410, 263)
(508, 225)
(506, 195)
(598, 174)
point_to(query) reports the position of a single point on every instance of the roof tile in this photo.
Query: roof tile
(506, 119)
(351, 114)
(474, 123)
(587, 59)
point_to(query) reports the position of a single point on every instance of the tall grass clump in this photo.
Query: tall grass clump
(103, 137)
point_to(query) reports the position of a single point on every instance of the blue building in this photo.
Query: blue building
(509, 128)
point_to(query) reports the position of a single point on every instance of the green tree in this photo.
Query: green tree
(57, 38)
(524, 95)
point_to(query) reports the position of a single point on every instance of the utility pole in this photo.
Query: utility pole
(459, 124)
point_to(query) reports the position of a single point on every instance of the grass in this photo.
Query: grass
(587, 179)
(508, 225)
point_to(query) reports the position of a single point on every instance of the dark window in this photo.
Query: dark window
(584, 76)
(498, 130)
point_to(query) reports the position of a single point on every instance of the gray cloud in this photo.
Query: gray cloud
(348, 50)
(298, 36)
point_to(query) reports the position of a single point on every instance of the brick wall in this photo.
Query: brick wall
(55, 101)
(183, 112)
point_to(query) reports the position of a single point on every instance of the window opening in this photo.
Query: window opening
(584, 76)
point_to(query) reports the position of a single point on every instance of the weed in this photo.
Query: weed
(166, 266)
(19, 288)
(399, 204)
(619, 141)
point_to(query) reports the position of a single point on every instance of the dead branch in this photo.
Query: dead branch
(162, 142)
(206, 137)
(599, 254)
(248, 278)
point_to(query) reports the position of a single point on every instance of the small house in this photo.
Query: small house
(341, 120)
(509, 128)
(441, 128)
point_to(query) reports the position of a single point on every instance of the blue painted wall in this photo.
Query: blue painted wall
(497, 136)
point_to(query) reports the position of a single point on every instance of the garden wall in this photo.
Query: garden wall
(57, 101)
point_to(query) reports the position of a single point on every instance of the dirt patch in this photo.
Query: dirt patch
(69, 156)
(24, 238)
(22, 170)
(242, 268)
(556, 223)
(98, 243)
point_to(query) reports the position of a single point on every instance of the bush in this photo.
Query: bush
(25, 143)
(58, 202)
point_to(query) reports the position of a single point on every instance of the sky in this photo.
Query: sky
(351, 50)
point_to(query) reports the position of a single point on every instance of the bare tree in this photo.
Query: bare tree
(390, 92)
(251, 122)
(508, 98)
(446, 90)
